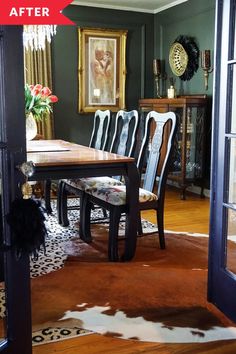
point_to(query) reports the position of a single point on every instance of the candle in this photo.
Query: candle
(156, 66)
(206, 59)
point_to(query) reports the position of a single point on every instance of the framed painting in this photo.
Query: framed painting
(101, 69)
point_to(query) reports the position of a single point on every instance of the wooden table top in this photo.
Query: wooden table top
(61, 153)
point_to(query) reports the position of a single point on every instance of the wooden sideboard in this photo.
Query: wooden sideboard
(188, 165)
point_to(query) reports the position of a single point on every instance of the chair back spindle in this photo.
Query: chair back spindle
(101, 125)
(125, 133)
(154, 158)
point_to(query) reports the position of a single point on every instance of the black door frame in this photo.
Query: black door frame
(221, 282)
(12, 144)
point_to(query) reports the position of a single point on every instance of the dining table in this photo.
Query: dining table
(60, 159)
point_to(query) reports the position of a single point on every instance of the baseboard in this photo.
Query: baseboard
(192, 188)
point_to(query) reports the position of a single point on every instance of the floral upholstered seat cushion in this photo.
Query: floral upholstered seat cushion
(92, 182)
(116, 195)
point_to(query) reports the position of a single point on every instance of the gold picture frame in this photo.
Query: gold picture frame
(101, 69)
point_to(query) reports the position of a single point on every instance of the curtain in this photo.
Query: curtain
(38, 70)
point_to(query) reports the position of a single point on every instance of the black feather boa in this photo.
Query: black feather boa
(192, 50)
(26, 220)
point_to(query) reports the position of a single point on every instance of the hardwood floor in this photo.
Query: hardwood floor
(190, 215)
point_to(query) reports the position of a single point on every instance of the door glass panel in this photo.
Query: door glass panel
(2, 285)
(232, 172)
(233, 104)
(231, 188)
(231, 236)
(233, 24)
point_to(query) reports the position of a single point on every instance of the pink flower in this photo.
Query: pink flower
(53, 98)
(38, 87)
(46, 91)
(35, 91)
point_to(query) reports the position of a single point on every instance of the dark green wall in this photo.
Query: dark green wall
(192, 18)
(69, 124)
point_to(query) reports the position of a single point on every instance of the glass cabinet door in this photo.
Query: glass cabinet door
(188, 156)
(194, 142)
(177, 164)
(189, 142)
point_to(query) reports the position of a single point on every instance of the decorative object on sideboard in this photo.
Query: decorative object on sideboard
(184, 57)
(171, 92)
(206, 65)
(35, 36)
(159, 74)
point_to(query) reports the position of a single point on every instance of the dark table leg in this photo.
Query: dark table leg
(132, 190)
(47, 195)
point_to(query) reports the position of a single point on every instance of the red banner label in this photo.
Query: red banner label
(33, 12)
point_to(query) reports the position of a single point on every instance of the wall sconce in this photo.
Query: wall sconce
(157, 75)
(206, 65)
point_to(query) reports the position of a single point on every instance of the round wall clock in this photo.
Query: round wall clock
(184, 57)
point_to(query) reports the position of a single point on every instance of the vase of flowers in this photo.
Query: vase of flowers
(38, 101)
(31, 127)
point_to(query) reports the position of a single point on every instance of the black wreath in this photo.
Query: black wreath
(192, 51)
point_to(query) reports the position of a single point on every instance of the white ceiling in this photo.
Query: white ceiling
(150, 6)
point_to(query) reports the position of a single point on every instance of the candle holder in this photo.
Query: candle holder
(206, 65)
(158, 75)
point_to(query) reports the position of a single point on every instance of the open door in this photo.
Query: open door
(15, 316)
(222, 275)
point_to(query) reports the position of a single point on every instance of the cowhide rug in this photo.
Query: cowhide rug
(160, 296)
